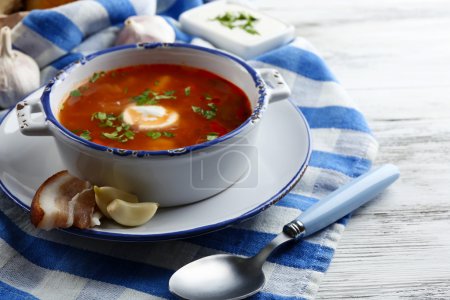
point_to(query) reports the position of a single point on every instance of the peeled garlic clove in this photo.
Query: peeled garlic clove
(106, 194)
(131, 214)
(145, 29)
(19, 73)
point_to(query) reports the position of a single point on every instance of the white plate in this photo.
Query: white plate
(284, 148)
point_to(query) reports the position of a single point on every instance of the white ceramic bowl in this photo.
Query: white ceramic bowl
(170, 177)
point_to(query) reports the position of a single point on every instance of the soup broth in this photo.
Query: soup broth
(154, 107)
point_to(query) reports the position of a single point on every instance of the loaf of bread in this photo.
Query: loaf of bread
(10, 6)
(43, 4)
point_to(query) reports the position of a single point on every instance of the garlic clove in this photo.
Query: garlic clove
(19, 73)
(131, 214)
(145, 29)
(106, 194)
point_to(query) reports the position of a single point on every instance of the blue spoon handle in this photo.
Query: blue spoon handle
(343, 201)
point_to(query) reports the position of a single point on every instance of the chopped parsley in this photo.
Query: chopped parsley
(111, 136)
(122, 131)
(154, 134)
(207, 96)
(157, 134)
(156, 83)
(212, 136)
(149, 97)
(75, 93)
(187, 91)
(242, 20)
(86, 134)
(208, 114)
(106, 120)
(96, 76)
(168, 134)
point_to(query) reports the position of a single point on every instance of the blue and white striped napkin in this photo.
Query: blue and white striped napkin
(55, 265)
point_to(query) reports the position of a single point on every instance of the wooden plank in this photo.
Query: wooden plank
(394, 59)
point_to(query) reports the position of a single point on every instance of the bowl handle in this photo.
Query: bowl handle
(31, 118)
(277, 87)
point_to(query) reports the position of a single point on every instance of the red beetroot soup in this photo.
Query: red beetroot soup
(154, 107)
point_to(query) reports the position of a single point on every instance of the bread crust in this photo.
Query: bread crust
(37, 213)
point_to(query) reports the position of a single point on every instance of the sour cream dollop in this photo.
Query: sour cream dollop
(148, 117)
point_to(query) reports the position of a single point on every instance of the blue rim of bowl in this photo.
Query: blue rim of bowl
(102, 235)
(256, 115)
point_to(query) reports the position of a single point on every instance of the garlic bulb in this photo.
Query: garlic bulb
(148, 29)
(19, 73)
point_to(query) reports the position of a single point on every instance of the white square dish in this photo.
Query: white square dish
(271, 33)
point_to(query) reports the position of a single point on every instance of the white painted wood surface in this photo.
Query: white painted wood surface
(394, 59)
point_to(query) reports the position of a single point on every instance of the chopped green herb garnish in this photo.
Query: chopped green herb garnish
(121, 133)
(129, 134)
(125, 90)
(212, 136)
(99, 116)
(157, 134)
(86, 134)
(197, 109)
(149, 97)
(113, 74)
(75, 93)
(144, 98)
(96, 76)
(208, 114)
(207, 96)
(112, 135)
(156, 83)
(168, 134)
(242, 20)
(123, 138)
(84, 88)
(154, 134)
(187, 91)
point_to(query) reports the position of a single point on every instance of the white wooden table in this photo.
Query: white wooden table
(394, 59)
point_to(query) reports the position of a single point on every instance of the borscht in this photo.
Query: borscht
(154, 107)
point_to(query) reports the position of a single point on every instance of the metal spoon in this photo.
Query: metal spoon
(231, 277)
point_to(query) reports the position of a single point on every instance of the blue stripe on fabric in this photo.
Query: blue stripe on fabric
(49, 24)
(335, 117)
(11, 293)
(54, 256)
(303, 203)
(349, 165)
(118, 10)
(302, 255)
(179, 7)
(66, 60)
(297, 201)
(270, 296)
(300, 61)
(179, 34)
